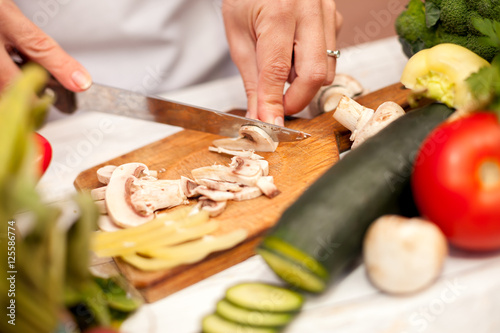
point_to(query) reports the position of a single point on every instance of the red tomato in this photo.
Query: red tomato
(44, 154)
(456, 181)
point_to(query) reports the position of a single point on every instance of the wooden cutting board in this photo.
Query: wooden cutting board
(295, 166)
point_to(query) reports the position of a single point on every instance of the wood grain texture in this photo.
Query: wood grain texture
(295, 166)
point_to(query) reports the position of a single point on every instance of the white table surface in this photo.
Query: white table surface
(465, 299)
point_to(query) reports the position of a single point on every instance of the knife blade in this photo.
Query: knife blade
(121, 102)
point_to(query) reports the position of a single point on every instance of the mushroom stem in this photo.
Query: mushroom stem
(348, 113)
(364, 122)
(386, 113)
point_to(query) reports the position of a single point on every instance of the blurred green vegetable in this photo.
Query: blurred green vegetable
(46, 264)
(423, 25)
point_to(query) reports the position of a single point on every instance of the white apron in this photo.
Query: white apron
(149, 46)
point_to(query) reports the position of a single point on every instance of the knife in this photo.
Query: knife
(121, 102)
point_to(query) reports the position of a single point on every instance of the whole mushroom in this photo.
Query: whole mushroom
(403, 255)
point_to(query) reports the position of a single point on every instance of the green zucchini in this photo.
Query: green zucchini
(321, 234)
(264, 297)
(244, 316)
(214, 323)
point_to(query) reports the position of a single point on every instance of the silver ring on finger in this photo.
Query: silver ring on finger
(333, 53)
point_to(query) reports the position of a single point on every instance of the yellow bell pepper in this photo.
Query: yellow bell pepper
(440, 73)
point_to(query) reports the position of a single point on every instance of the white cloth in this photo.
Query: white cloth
(148, 46)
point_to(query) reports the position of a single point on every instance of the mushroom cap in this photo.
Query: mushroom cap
(403, 255)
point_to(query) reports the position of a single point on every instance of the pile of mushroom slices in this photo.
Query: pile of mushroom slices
(133, 193)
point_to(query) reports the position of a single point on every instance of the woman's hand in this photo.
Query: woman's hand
(17, 32)
(276, 41)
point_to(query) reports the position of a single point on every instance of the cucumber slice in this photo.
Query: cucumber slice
(292, 272)
(264, 297)
(215, 324)
(243, 316)
(277, 245)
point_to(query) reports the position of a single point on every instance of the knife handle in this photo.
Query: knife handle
(65, 100)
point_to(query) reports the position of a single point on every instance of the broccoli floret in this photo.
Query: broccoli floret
(472, 30)
(472, 42)
(449, 21)
(488, 8)
(436, 2)
(411, 28)
(477, 46)
(454, 17)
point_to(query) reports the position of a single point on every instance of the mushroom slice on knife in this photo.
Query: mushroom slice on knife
(251, 138)
(118, 204)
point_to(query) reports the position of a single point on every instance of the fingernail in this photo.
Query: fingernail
(279, 121)
(82, 80)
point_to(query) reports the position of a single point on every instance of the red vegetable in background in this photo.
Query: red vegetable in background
(456, 181)
(44, 154)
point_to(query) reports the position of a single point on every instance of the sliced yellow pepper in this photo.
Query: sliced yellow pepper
(440, 73)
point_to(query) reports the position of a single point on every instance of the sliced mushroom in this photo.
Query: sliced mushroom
(243, 153)
(104, 173)
(188, 186)
(101, 207)
(213, 194)
(247, 193)
(251, 138)
(214, 208)
(267, 186)
(104, 223)
(219, 185)
(246, 166)
(264, 166)
(148, 196)
(118, 203)
(98, 193)
(225, 174)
